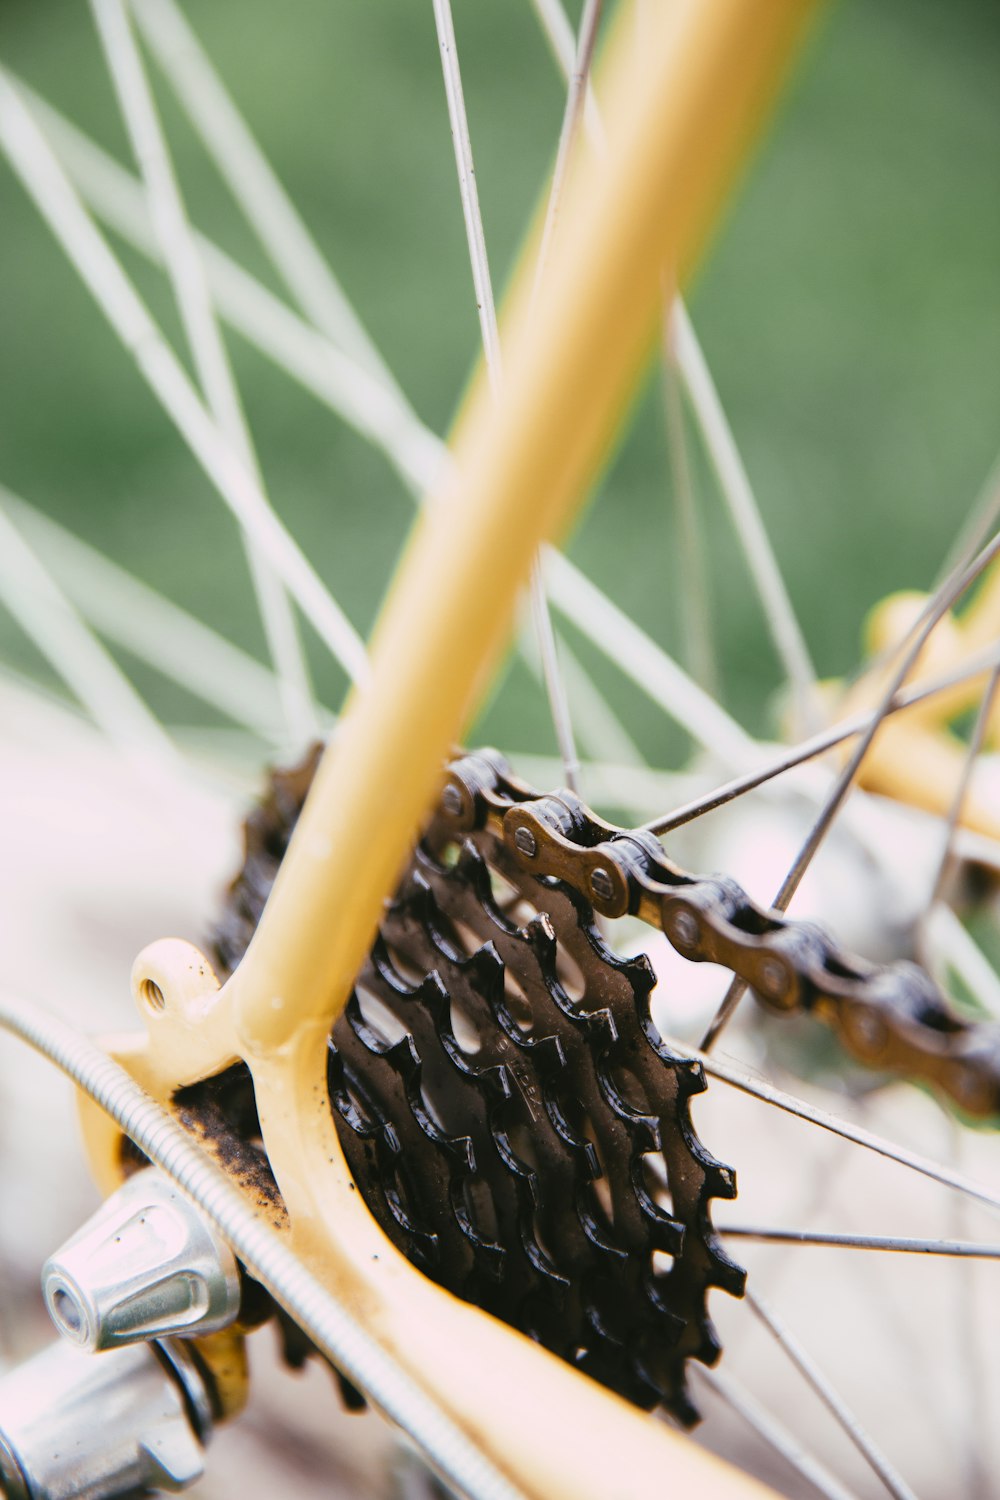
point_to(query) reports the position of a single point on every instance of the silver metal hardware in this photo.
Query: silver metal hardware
(146, 1265)
(75, 1426)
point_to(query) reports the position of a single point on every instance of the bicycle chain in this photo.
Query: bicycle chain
(892, 1018)
(503, 1122)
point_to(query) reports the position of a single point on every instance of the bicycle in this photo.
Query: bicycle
(267, 1017)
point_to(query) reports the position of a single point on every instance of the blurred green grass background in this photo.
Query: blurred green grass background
(850, 311)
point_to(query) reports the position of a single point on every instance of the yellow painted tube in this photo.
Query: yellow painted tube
(916, 758)
(679, 112)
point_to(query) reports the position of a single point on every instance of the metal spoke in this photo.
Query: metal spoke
(646, 664)
(552, 665)
(375, 409)
(980, 525)
(966, 1248)
(241, 161)
(47, 617)
(553, 676)
(974, 1403)
(187, 276)
(613, 784)
(578, 81)
(483, 286)
(774, 1433)
(597, 725)
(737, 491)
(696, 622)
(720, 445)
(154, 629)
(251, 179)
(558, 31)
(385, 419)
(462, 142)
(33, 162)
(831, 1399)
(747, 1083)
(948, 950)
(819, 743)
(962, 790)
(378, 412)
(934, 610)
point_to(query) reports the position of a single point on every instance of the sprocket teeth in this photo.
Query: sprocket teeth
(727, 1274)
(681, 1406)
(500, 1112)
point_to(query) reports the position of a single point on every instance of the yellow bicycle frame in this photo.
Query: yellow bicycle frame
(682, 95)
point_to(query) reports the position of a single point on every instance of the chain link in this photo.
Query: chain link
(892, 1018)
(484, 1158)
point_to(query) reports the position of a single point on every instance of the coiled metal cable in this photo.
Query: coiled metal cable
(264, 1253)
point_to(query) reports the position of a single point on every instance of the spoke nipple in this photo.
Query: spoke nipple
(526, 842)
(601, 883)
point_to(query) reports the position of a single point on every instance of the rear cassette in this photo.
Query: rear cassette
(510, 1114)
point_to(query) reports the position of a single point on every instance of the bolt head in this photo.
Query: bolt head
(601, 883)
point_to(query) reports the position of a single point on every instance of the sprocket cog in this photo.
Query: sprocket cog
(509, 1112)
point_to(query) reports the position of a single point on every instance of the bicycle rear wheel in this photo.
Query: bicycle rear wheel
(364, 475)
